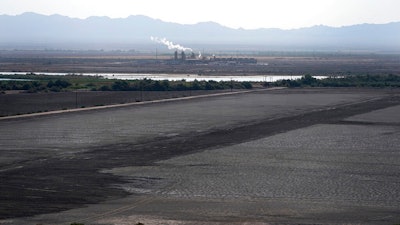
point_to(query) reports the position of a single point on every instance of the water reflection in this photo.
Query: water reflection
(174, 77)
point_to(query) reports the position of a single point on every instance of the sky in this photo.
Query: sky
(250, 14)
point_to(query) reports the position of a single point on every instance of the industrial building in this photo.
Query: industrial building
(182, 58)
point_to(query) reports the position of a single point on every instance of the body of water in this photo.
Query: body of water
(12, 79)
(175, 77)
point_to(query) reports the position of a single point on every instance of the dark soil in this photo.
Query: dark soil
(56, 184)
(24, 103)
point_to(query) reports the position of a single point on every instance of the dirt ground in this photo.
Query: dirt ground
(25, 103)
(293, 156)
(278, 63)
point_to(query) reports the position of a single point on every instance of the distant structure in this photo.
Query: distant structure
(183, 56)
(192, 59)
(233, 60)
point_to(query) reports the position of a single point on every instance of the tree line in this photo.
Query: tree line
(165, 85)
(377, 81)
(44, 83)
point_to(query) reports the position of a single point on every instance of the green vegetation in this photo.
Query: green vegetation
(345, 81)
(165, 85)
(47, 83)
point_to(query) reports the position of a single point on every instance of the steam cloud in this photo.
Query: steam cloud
(170, 44)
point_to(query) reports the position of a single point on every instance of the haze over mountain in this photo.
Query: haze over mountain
(134, 32)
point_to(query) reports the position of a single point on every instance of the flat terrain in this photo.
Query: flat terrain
(27, 103)
(292, 156)
(273, 63)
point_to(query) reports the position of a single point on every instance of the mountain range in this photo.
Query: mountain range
(134, 32)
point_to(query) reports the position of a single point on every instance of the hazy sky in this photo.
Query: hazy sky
(248, 14)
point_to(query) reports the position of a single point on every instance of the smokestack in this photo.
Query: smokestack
(176, 55)
(183, 56)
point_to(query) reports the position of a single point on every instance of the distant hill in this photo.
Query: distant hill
(56, 31)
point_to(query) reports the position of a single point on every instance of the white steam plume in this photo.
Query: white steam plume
(169, 44)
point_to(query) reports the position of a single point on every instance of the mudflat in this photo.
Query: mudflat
(309, 156)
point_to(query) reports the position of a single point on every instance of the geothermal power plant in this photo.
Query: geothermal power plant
(180, 55)
(192, 58)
